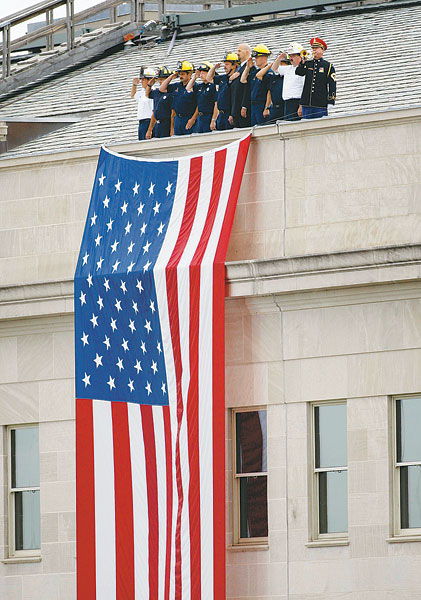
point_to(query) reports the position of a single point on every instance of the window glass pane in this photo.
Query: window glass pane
(333, 502)
(251, 441)
(330, 435)
(410, 497)
(25, 457)
(253, 507)
(408, 419)
(27, 520)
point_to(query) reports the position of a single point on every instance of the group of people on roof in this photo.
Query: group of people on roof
(251, 91)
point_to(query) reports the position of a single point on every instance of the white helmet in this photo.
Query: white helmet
(294, 48)
(148, 73)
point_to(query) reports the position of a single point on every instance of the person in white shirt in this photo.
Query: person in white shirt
(293, 84)
(144, 104)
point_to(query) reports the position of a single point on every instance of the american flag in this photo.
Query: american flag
(149, 336)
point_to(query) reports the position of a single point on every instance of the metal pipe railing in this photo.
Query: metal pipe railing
(68, 22)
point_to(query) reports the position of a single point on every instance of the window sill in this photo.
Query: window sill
(327, 543)
(21, 559)
(247, 547)
(400, 539)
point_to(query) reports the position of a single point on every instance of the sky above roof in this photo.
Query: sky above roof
(8, 7)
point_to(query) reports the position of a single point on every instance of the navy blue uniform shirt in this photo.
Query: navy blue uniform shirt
(206, 96)
(162, 102)
(276, 85)
(223, 95)
(259, 88)
(184, 103)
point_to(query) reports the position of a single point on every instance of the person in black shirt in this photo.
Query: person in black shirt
(259, 87)
(223, 99)
(184, 104)
(162, 102)
(240, 94)
(206, 97)
(319, 84)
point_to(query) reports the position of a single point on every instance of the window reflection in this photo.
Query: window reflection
(330, 435)
(333, 499)
(251, 451)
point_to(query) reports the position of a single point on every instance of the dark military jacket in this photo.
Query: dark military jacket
(319, 83)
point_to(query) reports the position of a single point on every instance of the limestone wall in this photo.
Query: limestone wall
(354, 336)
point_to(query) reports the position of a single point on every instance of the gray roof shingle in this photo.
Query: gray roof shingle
(376, 55)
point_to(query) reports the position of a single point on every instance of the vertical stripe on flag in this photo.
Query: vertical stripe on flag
(104, 501)
(140, 502)
(85, 500)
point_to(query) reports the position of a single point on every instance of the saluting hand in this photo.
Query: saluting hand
(250, 62)
(218, 65)
(136, 80)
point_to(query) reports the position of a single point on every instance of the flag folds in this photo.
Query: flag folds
(149, 339)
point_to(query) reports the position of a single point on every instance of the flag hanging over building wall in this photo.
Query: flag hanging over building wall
(149, 336)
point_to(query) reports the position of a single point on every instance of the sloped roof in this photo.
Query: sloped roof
(376, 53)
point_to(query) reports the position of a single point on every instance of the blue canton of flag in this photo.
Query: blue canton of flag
(118, 333)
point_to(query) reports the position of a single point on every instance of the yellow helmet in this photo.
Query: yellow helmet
(231, 57)
(185, 65)
(260, 50)
(205, 66)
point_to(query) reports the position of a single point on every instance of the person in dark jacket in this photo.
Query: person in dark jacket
(240, 94)
(319, 84)
(223, 98)
(162, 102)
(206, 97)
(184, 103)
(259, 87)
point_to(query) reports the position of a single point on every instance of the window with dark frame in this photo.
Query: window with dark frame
(250, 476)
(330, 470)
(24, 491)
(408, 462)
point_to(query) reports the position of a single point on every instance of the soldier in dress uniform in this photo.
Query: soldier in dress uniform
(223, 99)
(184, 104)
(259, 86)
(319, 84)
(206, 97)
(162, 103)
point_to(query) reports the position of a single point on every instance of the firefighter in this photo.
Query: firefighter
(162, 102)
(144, 104)
(206, 97)
(276, 85)
(184, 104)
(319, 83)
(223, 99)
(259, 86)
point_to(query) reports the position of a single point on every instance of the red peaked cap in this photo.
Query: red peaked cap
(318, 42)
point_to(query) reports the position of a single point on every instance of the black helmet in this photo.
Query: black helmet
(164, 71)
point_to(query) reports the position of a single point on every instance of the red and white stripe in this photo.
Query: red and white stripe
(155, 528)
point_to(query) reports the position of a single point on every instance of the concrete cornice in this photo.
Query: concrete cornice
(323, 271)
(339, 123)
(191, 145)
(250, 279)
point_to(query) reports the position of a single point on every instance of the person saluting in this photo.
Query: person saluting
(319, 84)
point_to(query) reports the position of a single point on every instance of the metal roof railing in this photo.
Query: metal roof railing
(68, 22)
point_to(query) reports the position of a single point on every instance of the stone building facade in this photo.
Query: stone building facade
(323, 310)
